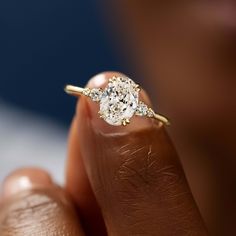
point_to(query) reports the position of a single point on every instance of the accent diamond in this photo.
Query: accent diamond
(86, 91)
(96, 94)
(142, 109)
(119, 101)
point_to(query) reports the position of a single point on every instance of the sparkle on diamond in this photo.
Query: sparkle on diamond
(119, 100)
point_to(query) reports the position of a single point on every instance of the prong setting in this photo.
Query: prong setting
(138, 88)
(112, 79)
(125, 122)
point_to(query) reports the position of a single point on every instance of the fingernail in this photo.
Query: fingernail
(25, 179)
(136, 122)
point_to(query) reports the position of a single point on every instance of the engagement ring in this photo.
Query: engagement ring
(119, 101)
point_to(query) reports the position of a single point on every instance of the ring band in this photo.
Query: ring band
(119, 101)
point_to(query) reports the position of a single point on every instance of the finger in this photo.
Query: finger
(135, 174)
(32, 205)
(77, 184)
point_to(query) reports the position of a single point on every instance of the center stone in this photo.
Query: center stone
(119, 100)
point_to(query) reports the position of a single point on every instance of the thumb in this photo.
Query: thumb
(135, 174)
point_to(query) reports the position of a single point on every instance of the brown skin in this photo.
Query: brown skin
(133, 173)
(186, 53)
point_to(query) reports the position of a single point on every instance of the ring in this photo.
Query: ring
(119, 101)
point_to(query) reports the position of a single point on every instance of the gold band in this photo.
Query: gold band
(73, 90)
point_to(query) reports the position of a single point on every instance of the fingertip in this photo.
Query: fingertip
(101, 79)
(25, 179)
(88, 110)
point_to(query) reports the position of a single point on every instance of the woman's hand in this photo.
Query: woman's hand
(119, 181)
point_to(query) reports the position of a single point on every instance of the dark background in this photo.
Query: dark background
(46, 44)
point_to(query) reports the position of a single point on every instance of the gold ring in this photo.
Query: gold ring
(119, 101)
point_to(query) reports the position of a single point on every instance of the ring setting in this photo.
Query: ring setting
(119, 101)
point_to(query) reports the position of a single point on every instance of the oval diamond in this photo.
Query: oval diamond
(119, 100)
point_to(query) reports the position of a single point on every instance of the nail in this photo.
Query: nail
(25, 179)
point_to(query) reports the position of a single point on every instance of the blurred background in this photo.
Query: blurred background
(43, 46)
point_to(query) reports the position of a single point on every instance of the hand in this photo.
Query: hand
(119, 181)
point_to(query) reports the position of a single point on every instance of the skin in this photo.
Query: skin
(119, 181)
